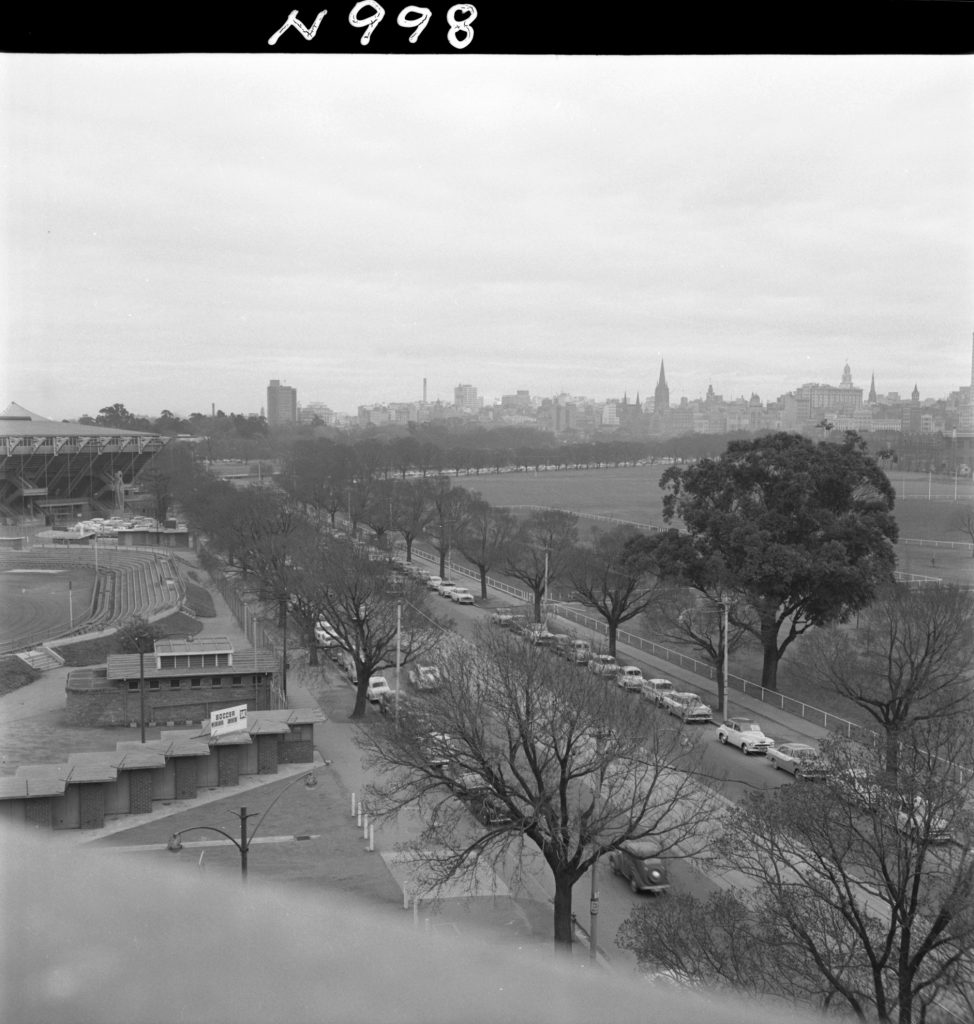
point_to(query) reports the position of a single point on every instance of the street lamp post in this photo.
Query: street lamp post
(725, 676)
(242, 844)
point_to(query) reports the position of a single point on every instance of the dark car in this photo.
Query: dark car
(641, 865)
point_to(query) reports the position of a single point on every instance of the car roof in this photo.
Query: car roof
(640, 848)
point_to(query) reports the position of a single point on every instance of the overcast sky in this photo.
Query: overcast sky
(179, 229)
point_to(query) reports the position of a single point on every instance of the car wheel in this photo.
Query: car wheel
(777, 767)
(798, 774)
(744, 749)
(722, 738)
(633, 885)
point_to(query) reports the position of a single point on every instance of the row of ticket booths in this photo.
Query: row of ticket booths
(94, 786)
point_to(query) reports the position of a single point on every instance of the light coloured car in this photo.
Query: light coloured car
(433, 582)
(503, 619)
(915, 819)
(745, 734)
(639, 863)
(325, 635)
(603, 665)
(802, 760)
(445, 588)
(378, 688)
(630, 677)
(425, 677)
(461, 595)
(653, 689)
(687, 706)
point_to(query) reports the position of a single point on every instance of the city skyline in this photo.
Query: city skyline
(183, 228)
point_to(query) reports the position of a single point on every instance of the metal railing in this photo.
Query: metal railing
(807, 712)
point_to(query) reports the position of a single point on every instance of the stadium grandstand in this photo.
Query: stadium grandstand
(55, 472)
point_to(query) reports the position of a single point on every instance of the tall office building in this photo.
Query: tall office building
(465, 398)
(282, 404)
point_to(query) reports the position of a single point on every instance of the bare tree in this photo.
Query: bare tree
(962, 521)
(908, 661)
(369, 611)
(484, 537)
(541, 551)
(851, 896)
(613, 578)
(550, 763)
(448, 510)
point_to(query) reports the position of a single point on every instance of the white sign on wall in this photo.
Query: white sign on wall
(228, 720)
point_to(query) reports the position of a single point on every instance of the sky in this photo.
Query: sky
(179, 229)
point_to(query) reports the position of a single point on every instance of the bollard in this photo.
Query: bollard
(359, 814)
(371, 839)
(415, 912)
(353, 805)
(405, 898)
(365, 827)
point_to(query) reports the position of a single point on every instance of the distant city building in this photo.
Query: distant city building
(282, 404)
(316, 411)
(465, 398)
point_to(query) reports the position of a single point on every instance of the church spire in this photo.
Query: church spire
(872, 390)
(662, 395)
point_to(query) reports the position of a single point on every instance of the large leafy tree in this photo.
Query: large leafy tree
(907, 661)
(803, 531)
(615, 578)
(567, 770)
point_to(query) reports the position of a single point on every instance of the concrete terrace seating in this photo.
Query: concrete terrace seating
(128, 583)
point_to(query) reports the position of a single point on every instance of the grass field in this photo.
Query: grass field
(633, 494)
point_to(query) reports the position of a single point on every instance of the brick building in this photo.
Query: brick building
(184, 681)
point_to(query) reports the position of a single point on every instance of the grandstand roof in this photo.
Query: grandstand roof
(16, 421)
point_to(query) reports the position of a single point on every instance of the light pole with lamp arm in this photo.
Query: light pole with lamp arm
(242, 844)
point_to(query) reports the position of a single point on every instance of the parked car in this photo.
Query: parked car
(425, 677)
(630, 677)
(687, 706)
(604, 665)
(802, 760)
(503, 619)
(745, 734)
(915, 819)
(462, 596)
(433, 582)
(653, 689)
(445, 588)
(640, 864)
(858, 786)
(439, 751)
(576, 651)
(489, 809)
(539, 635)
(325, 635)
(377, 688)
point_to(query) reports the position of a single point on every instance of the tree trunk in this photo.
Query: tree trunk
(564, 927)
(613, 633)
(361, 688)
(769, 643)
(483, 583)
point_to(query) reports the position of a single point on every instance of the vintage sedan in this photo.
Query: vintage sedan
(802, 760)
(630, 677)
(687, 706)
(639, 863)
(745, 734)
(461, 595)
(604, 665)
